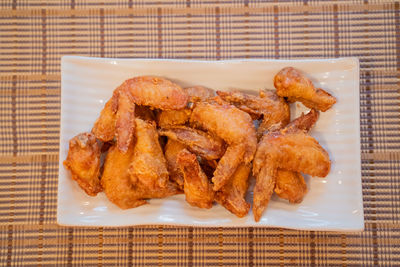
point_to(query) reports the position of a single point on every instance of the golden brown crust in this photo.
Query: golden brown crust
(83, 161)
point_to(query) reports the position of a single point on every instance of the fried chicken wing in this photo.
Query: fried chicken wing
(290, 185)
(291, 83)
(297, 152)
(83, 161)
(196, 141)
(197, 188)
(116, 179)
(235, 127)
(269, 107)
(172, 149)
(118, 186)
(232, 194)
(104, 127)
(148, 167)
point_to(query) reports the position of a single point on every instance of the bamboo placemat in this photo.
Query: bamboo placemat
(35, 34)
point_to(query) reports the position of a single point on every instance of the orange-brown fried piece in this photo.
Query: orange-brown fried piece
(297, 152)
(148, 167)
(271, 108)
(156, 92)
(172, 149)
(232, 194)
(235, 127)
(198, 142)
(83, 161)
(118, 186)
(290, 185)
(291, 83)
(104, 127)
(197, 188)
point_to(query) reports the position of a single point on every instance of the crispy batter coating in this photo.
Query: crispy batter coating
(291, 83)
(83, 161)
(268, 106)
(172, 149)
(232, 194)
(197, 188)
(156, 92)
(148, 167)
(117, 183)
(297, 152)
(198, 142)
(290, 185)
(104, 127)
(235, 127)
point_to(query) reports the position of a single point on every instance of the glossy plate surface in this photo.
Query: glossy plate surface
(332, 203)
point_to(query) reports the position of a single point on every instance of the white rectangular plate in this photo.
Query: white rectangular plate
(332, 203)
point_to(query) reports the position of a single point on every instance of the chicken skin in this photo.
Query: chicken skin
(83, 161)
(198, 190)
(291, 83)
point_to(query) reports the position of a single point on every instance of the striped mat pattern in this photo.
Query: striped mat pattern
(35, 34)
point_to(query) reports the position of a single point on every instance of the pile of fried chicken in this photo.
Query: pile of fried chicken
(154, 139)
